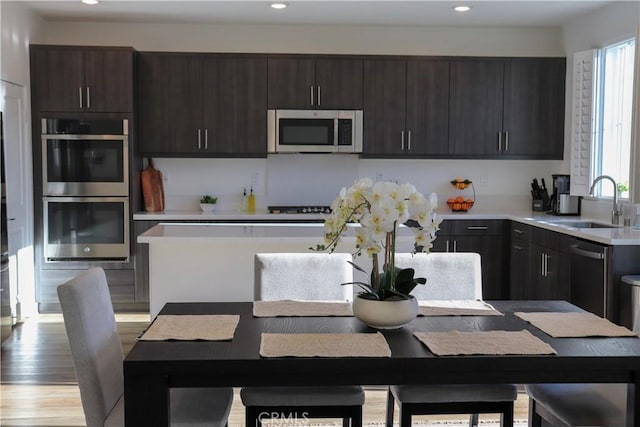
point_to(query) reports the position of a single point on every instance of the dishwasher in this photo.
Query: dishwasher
(590, 271)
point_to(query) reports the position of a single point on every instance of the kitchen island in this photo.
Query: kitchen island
(214, 262)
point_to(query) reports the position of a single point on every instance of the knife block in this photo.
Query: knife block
(539, 205)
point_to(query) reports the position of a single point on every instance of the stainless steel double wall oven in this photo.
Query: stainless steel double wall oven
(85, 172)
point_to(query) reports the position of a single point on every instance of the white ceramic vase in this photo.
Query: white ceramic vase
(385, 314)
(207, 207)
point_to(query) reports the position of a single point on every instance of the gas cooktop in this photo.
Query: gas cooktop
(299, 209)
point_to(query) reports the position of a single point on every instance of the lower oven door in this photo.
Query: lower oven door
(86, 228)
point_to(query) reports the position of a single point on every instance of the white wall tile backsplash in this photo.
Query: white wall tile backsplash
(308, 179)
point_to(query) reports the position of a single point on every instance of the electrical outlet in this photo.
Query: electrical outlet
(484, 179)
(379, 177)
(165, 178)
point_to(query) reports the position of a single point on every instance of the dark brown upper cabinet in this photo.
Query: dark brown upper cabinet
(82, 79)
(201, 105)
(315, 83)
(507, 108)
(406, 108)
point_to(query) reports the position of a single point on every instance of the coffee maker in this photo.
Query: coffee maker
(562, 203)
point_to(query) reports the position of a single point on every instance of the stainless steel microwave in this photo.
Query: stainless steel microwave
(314, 131)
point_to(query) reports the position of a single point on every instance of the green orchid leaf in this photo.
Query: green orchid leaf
(357, 267)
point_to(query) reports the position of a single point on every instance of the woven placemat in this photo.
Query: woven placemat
(219, 327)
(456, 308)
(574, 325)
(296, 308)
(454, 343)
(324, 345)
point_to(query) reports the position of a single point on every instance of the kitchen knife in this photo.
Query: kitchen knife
(544, 186)
(537, 186)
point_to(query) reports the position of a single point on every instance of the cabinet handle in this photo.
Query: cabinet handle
(402, 141)
(199, 139)
(447, 250)
(499, 141)
(477, 227)
(517, 247)
(506, 140)
(455, 246)
(546, 264)
(311, 90)
(542, 265)
(206, 139)
(409, 141)
(515, 230)
(318, 96)
(80, 96)
(88, 97)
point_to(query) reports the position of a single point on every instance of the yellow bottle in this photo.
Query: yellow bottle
(251, 202)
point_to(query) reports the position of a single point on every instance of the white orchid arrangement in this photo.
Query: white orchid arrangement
(379, 209)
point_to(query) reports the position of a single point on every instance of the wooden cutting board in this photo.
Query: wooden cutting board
(152, 191)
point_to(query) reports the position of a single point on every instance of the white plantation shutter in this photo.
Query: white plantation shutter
(582, 125)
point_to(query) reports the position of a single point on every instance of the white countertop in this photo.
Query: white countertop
(608, 236)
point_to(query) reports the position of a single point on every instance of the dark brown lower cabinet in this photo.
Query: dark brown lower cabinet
(485, 237)
(539, 264)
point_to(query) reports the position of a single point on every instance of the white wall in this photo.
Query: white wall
(604, 26)
(19, 28)
(291, 179)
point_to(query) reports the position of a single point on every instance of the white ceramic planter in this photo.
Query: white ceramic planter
(385, 314)
(207, 207)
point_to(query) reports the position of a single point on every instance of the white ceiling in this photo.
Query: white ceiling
(540, 13)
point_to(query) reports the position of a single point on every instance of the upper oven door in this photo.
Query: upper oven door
(86, 228)
(84, 164)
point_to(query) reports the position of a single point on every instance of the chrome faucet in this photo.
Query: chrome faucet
(615, 214)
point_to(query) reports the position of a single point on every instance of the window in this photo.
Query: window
(614, 98)
(602, 118)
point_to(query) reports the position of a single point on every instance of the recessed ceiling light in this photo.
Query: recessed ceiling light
(279, 5)
(90, 1)
(461, 8)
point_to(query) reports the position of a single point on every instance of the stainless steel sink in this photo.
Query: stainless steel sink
(582, 224)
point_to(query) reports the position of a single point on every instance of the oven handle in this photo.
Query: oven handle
(68, 136)
(585, 253)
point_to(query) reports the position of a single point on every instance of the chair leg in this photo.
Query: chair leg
(356, 417)
(390, 406)
(473, 420)
(251, 417)
(535, 420)
(506, 417)
(405, 415)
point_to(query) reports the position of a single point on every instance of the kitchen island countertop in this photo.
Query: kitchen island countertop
(254, 221)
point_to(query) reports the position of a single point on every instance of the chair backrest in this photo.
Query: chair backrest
(304, 276)
(453, 275)
(95, 343)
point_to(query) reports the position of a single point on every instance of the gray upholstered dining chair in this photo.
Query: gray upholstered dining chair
(97, 356)
(303, 276)
(568, 405)
(450, 276)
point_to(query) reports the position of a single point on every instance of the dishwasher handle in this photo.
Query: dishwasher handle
(583, 252)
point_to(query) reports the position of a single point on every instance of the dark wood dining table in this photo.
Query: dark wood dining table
(152, 368)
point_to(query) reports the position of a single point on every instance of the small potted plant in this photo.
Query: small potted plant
(208, 203)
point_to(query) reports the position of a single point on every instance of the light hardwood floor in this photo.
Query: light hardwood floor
(38, 385)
